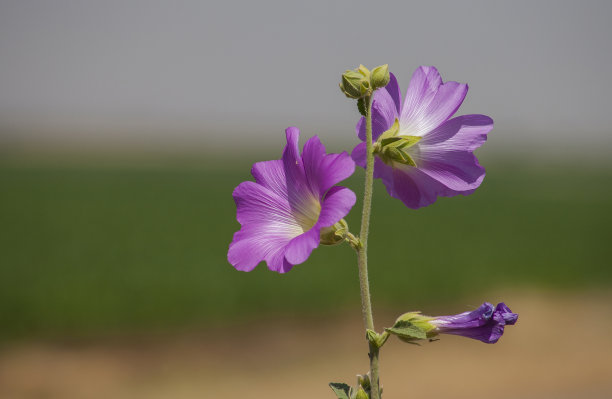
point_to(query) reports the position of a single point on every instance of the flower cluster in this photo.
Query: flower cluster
(418, 150)
(294, 205)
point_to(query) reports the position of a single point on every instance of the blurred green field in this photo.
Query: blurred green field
(86, 249)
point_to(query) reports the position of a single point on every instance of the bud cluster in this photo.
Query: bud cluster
(361, 82)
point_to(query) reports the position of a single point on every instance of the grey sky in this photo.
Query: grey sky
(208, 71)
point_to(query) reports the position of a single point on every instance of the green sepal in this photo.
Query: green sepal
(391, 132)
(393, 148)
(377, 339)
(361, 394)
(364, 381)
(334, 234)
(407, 330)
(397, 155)
(365, 72)
(342, 390)
(413, 326)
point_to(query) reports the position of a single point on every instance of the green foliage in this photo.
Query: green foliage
(87, 250)
(342, 390)
(407, 330)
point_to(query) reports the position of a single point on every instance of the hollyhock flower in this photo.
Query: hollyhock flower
(423, 154)
(291, 200)
(485, 324)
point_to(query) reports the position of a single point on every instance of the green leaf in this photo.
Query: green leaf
(361, 106)
(341, 390)
(406, 329)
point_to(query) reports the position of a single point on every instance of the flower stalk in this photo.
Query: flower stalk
(362, 252)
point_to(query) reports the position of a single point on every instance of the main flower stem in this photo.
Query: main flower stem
(362, 253)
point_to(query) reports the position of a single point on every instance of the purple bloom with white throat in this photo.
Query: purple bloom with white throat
(421, 152)
(485, 324)
(291, 200)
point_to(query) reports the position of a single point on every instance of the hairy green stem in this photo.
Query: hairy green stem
(362, 253)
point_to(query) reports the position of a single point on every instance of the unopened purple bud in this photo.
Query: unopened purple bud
(485, 324)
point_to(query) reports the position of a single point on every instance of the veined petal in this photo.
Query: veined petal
(304, 203)
(475, 318)
(421, 90)
(466, 133)
(457, 170)
(271, 174)
(299, 249)
(359, 154)
(415, 189)
(336, 205)
(333, 169)
(256, 203)
(489, 334)
(429, 102)
(257, 243)
(395, 93)
(312, 155)
(443, 105)
(292, 162)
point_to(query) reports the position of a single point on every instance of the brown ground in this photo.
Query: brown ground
(560, 348)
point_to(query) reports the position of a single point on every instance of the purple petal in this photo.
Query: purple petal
(244, 253)
(395, 93)
(475, 318)
(489, 334)
(324, 170)
(504, 315)
(457, 170)
(421, 90)
(271, 174)
(268, 224)
(336, 205)
(292, 161)
(359, 154)
(312, 155)
(333, 169)
(415, 189)
(300, 248)
(466, 133)
(384, 113)
(428, 102)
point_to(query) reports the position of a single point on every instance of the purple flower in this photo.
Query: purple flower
(485, 324)
(292, 199)
(436, 157)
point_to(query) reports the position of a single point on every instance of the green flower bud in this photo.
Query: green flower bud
(334, 234)
(364, 71)
(412, 326)
(361, 394)
(356, 83)
(351, 84)
(364, 381)
(380, 76)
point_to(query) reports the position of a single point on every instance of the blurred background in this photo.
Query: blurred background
(125, 126)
